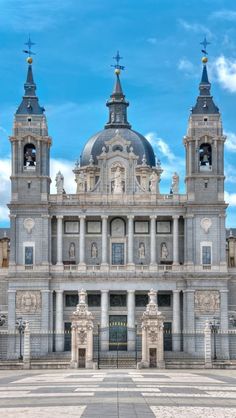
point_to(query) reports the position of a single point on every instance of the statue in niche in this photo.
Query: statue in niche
(164, 251)
(118, 188)
(153, 182)
(59, 183)
(81, 182)
(72, 251)
(94, 250)
(141, 251)
(175, 183)
(30, 155)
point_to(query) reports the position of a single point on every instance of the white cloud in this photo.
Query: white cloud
(64, 166)
(225, 69)
(224, 14)
(195, 27)
(185, 65)
(230, 143)
(230, 198)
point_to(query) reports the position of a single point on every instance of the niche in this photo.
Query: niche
(205, 157)
(29, 156)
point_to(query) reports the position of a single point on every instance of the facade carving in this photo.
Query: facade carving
(207, 301)
(29, 224)
(28, 301)
(206, 224)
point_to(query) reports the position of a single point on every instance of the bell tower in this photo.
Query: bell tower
(204, 146)
(30, 146)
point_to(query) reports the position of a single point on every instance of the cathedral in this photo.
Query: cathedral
(118, 236)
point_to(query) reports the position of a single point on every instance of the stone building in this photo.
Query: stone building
(118, 236)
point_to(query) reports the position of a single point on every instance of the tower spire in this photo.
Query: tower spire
(29, 104)
(117, 103)
(205, 103)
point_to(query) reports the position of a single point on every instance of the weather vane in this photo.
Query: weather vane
(205, 43)
(117, 66)
(28, 51)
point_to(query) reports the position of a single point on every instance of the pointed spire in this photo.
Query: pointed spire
(117, 104)
(29, 104)
(205, 103)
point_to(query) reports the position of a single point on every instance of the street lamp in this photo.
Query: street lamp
(20, 326)
(214, 329)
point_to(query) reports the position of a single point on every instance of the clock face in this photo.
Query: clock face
(118, 228)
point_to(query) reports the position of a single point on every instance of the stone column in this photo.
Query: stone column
(26, 351)
(13, 253)
(73, 347)
(175, 239)
(11, 346)
(45, 321)
(131, 240)
(131, 320)
(207, 345)
(59, 321)
(189, 321)
(59, 240)
(144, 346)
(176, 331)
(153, 256)
(224, 324)
(104, 242)
(82, 240)
(104, 331)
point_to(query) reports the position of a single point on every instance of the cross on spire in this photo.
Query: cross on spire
(117, 58)
(28, 51)
(205, 43)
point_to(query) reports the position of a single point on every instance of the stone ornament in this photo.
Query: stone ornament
(206, 224)
(29, 224)
(59, 183)
(207, 301)
(28, 301)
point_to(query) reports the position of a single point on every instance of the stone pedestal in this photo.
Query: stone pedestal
(26, 351)
(207, 345)
(152, 335)
(82, 335)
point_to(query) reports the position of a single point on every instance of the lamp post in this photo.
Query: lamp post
(98, 346)
(214, 329)
(20, 326)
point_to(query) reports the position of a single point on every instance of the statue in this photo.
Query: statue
(94, 250)
(59, 183)
(72, 251)
(153, 182)
(141, 251)
(175, 183)
(29, 158)
(80, 182)
(164, 251)
(118, 188)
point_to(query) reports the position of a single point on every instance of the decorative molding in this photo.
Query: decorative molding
(207, 301)
(206, 223)
(29, 224)
(28, 301)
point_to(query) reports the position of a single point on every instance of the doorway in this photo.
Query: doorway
(81, 358)
(118, 333)
(153, 357)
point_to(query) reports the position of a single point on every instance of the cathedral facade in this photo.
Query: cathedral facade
(118, 236)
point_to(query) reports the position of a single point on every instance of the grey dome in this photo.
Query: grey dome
(139, 143)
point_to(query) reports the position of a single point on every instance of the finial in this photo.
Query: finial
(117, 66)
(28, 51)
(204, 51)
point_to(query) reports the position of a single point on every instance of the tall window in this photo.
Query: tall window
(206, 254)
(29, 256)
(118, 253)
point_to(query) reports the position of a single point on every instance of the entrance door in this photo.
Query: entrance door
(82, 355)
(118, 332)
(153, 357)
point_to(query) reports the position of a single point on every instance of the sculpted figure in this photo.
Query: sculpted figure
(117, 181)
(94, 250)
(59, 183)
(81, 182)
(72, 251)
(175, 183)
(164, 251)
(153, 182)
(141, 251)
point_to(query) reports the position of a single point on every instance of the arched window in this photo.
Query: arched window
(29, 156)
(205, 157)
(117, 148)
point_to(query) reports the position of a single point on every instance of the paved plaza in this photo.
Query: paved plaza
(118, 393)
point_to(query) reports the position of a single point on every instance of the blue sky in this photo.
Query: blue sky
(160, 42)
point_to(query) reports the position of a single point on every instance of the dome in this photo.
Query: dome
(139, 143)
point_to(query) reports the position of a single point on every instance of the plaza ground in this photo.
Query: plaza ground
(118, 393)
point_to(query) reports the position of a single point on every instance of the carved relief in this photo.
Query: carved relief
(28, 301)
(207, 301)
(29, 224)
(206, 224)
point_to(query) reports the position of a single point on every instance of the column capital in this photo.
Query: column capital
(130, 217)
(130, 291)
(104, 291)
(105, 217)
(59, 216)
(59, 291)
(11, 291)
(45, 216)
(188, 216)
(176, 290)
(12, 216)
(82, 217)
(224, 291)
(175, 216)
(46, 291)
(188, 290)
(153, 217)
